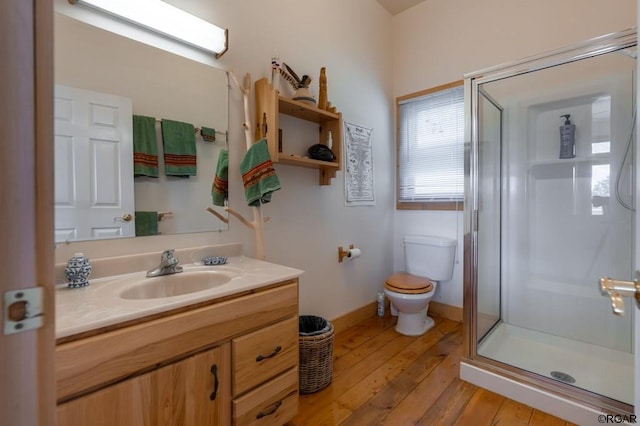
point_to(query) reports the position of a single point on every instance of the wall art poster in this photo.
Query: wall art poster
(359, 189)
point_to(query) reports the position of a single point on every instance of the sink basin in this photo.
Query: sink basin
(176, 284)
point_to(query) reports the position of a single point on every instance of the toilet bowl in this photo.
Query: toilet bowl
(410, 296)
(429, 260)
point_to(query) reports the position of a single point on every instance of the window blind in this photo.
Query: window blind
(431, 147)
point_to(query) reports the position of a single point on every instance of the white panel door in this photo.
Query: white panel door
(93, 165)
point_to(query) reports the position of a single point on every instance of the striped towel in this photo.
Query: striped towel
(208, 134)
(220, 186)
(179, 143)
(258, 175)
(145, 146)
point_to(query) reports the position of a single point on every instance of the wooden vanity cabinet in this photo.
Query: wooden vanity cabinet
(187, 392)
(229, 362)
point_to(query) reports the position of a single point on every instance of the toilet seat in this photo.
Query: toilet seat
(408, 284)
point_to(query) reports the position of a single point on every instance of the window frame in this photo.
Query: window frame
(421, 205)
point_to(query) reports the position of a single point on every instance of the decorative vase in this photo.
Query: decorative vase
(77, 271)
(303, 94)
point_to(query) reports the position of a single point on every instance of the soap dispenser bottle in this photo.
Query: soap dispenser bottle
(567, 138)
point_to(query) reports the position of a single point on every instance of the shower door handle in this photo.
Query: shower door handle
(617, 289)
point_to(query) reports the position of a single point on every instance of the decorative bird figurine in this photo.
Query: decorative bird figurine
(299, 85)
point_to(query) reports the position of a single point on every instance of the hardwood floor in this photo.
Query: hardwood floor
(383, 378)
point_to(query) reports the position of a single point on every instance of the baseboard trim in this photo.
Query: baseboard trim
(342, 322)
(453, 313)
(350, 319)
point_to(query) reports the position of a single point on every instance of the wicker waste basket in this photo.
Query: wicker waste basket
(316, 353)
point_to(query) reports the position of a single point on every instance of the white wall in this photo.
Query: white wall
(438, 41)
(308, 222)
(433, 43)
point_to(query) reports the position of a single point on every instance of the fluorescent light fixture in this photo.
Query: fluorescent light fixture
(167, 20)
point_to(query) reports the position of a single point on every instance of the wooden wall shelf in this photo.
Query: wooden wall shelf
(269, 105)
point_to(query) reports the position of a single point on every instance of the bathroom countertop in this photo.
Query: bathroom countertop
(98, 305)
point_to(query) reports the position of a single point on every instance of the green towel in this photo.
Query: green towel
(179, 142)
(220, 187)
(146, 223)
(145, 147)
(208, 134)
(258, 175)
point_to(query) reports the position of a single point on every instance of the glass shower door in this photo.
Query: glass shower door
(550, 225)
(489, 214)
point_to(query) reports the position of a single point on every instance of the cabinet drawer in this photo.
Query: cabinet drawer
(264, 354)
(273, 403)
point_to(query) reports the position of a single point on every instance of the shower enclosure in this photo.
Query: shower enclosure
(542, 229)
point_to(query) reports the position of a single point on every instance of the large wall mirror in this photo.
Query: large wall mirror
(118, 77)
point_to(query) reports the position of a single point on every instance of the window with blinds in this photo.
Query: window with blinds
(431, 149)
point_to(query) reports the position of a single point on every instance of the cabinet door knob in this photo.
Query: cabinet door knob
(214, 371)
(271, 355)
(269, 411)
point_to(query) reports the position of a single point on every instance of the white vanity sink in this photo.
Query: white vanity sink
(111, 300)
(189, 281)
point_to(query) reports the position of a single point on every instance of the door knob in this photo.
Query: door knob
(617, 289)
(125, 218)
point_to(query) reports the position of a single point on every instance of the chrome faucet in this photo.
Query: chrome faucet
(168, 265)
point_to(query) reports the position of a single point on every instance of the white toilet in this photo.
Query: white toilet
(428, 259)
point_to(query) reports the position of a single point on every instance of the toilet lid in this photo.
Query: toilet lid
(408, 284)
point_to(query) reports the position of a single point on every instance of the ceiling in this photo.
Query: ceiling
(396, 6)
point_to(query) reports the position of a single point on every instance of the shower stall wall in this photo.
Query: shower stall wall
(544, 222)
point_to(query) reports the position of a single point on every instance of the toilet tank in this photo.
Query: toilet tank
(429, 256)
